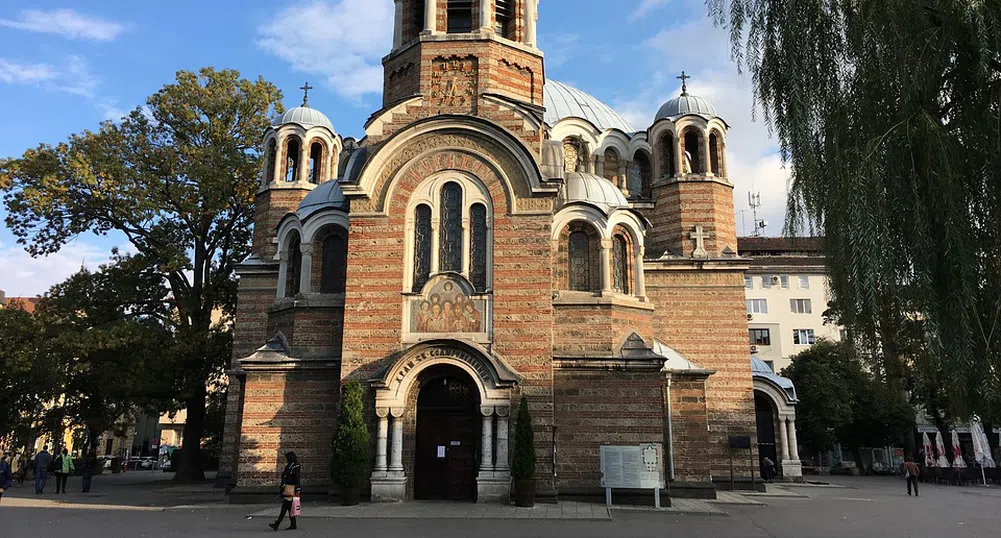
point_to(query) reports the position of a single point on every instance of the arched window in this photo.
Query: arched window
(416, 20)
(612, 166)
(333, 272)
(478, 247)
(505, 18)
(693, 155)
(715, 154)
(292, 160)
(450, 229)
(575, 155)
(667, 155)
(315, 162)
(269, 161)
(620, 264)
(294, 268)
(460, 16)
(422, 247)
(641, 176)
(579, 258)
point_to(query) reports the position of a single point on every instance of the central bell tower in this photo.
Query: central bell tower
(460, 55)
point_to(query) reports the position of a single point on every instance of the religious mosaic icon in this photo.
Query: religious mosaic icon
(447, 307)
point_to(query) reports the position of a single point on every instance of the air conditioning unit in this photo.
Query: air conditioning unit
(750, 317)
(754, 349)
(775, 279)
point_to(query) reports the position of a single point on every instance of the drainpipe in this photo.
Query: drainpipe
(670, 435)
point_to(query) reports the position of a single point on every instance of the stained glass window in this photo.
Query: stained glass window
(580, 261)
(478, 247)
(335, 264)
(450, 240)
(422, 247)
(620, 265)
(294, 267)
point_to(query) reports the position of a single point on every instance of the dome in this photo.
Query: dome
(305, 116)
(591, 189)
(326, 196)
(685, 105)
(562, 101)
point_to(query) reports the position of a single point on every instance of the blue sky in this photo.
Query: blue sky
(67, 66)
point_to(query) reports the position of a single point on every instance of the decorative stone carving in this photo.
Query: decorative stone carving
(453, 81)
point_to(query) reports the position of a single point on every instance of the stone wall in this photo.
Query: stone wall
(689, 428)
(684, 203)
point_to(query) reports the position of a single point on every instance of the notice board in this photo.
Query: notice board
(632, 466)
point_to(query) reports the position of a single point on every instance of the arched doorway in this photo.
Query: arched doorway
(767, 447)
(446, 448)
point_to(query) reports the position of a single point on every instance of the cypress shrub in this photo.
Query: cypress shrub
(523, 467)
(350, 461)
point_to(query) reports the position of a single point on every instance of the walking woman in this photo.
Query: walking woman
(64, 468)
(288, 490)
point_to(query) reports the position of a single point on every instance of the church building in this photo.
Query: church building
(495, 234)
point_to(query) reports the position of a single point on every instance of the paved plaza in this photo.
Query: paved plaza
(141, 504)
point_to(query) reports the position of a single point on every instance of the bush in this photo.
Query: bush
(524, 444)
(350, 462)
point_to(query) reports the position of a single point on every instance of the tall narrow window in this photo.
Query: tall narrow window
(315, 162)
(641, 176)
(269, 162)
(450, 229)
(294, 270)
(505, 18)
(417, 19)
(611, 170)
(714, 153)
(422, 247)
(292, 160)
(693, 156)
(333, 274)
(478, 247)
(620, 265)
(579, 255)
(460, 16)
(667, 155)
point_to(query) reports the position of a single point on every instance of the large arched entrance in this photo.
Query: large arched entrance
(448, 421)
(775, 409)
(767, 447)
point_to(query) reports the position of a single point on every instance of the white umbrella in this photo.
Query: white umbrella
(940, 445)
(981, 447)
(929, 460)
(957, 452)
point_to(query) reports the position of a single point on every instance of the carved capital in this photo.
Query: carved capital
(487, 410)
(397, 412)
(503, 412)
(306, 249)
(382, 412)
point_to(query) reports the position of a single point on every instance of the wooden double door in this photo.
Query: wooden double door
(447, 442)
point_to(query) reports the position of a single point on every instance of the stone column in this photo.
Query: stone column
(282, 272)
(303, 162)
(431, 17)
(396, 457)
(530, 17)
(279, 163)
(382, 439)
(435, 236)
(306, 271)
(784, 438)
(599, 165)
(623, 177)
(793, 442)
(502, 465)
(640, 277)
(486, 17)
(606, 265)
(487, 459)
(707, 168)
(398, 25)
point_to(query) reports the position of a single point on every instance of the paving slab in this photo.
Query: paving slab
(445, 510)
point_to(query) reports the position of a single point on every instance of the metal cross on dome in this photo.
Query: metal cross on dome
(305, 93)
(684, 86)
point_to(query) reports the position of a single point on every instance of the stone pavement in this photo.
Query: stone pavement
(448, 510)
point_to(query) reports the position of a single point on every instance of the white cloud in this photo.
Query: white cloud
(16, 73)
(25, 276)
(753, 163)
(66, 23)
(77, 79)
(341, 40)
(646, 6)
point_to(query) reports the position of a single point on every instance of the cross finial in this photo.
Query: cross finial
(684, 86)
(305, 93)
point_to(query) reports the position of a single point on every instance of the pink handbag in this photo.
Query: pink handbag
(296, 507)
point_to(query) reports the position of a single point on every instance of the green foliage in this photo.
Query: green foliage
(350, 462)
(28, 375)
(523, 467)
(840, 400)
(177, 178)
(889, 113)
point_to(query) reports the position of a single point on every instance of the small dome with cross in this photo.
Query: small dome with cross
(304, 116)
(686, 104)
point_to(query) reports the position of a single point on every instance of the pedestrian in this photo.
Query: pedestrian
(911, 474)
(22, 468)
(42, 462)
(6, 476)
(769, 471)
(64, 468)
(288, 490)
(89, 461)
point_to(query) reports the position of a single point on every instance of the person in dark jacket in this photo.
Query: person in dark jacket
(42, 462)
(89, 461)
(6, 476)
(288, 490)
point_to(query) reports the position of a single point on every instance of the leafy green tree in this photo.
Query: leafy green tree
(523, 467)
(350, 460)
(889, 113)
(28, 376)
(177, 178)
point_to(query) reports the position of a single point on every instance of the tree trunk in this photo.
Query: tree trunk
(191, 464)
(859, 464)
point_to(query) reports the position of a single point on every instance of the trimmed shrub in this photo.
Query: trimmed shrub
(524, 444)
(350, 461)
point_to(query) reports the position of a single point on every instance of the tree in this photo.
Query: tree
(177, 178)
(28, 377)
(350, 460)
(523, 467)
(889, 114)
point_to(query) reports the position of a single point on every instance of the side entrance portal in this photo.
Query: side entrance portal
(446, 465)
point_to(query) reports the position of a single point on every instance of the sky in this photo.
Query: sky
(67, 66)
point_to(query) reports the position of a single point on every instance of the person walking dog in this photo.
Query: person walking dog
(289, 491)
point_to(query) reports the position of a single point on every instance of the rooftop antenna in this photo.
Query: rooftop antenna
(754, 200)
